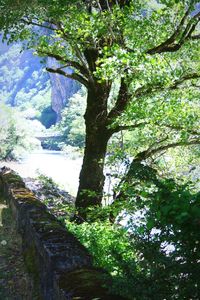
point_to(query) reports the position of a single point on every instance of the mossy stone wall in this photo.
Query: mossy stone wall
(60, 266)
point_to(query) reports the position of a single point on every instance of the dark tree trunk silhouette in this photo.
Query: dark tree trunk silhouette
(97, 136)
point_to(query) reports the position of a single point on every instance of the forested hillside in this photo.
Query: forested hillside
(24, 82)
(22, 77)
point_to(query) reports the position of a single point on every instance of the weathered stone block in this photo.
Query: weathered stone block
(61, 267)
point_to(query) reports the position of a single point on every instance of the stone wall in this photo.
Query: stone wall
(61, 267)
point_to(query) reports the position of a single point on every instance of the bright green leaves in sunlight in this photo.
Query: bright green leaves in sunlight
(71, 125)
(111, 250)
(15, 136)
(139, 61)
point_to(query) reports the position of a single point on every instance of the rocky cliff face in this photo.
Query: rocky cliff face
(23, 79)
(61, 89)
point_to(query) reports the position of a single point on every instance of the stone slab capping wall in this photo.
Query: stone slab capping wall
(60, 266)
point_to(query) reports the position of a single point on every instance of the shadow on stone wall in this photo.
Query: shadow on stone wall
(61, 267)
(15, 283)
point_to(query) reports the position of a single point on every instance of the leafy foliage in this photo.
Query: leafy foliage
(156, 75)
(137, 60)
(15, 134)
(167, 241)
(72, 124)
(155, 255)
(111, 250)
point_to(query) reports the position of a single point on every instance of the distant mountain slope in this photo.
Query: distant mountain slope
(24, 81)
(21, 76)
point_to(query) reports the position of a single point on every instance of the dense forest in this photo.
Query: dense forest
(135, 115)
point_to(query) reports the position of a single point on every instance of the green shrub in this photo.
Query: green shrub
(15, 134)
(72, 125)
(111, 250)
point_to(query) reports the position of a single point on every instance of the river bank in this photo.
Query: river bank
(55, 164)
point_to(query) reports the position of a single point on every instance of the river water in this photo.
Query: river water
(62, 169)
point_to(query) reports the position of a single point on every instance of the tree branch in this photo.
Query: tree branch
(195, 37)
(69, 63)
(121, 103)
(29, 22)
(128, 127)
(58, 26)
(73, 76)
(75, 46)
(171, 44)
(184, 78)
(148, 89)
(137, 125)
(148, 153)
(140, 171)
(179, 128)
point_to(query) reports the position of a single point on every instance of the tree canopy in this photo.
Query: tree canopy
(138, 61)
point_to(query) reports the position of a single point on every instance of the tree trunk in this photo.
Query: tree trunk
(91, 180)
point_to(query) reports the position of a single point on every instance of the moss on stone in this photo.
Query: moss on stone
(49, 231)
(30, 259)
(23, 193)
(62, 251)
(12, 178)
(86, 284)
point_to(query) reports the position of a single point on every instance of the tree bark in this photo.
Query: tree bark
(91, 180)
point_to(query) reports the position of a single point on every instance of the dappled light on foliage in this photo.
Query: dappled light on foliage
(136, 117)
(16, 134)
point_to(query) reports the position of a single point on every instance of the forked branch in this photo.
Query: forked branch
(73, 76)
(179, 36)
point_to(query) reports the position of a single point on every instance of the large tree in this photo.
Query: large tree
(132, 56)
